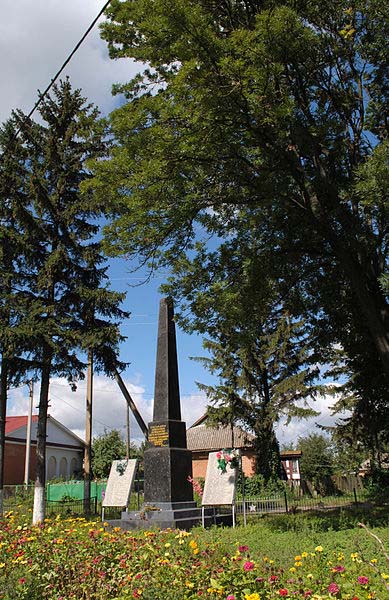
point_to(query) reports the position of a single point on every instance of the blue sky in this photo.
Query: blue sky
(35, 39)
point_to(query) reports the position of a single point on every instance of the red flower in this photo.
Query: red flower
(283, 592)
(22, 580)
(243, 548)
(248, 566)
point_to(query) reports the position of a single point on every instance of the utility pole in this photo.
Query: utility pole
(88, 435)
(127, 431)
(28, 434)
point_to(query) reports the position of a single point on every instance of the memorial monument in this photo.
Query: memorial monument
(168, 495)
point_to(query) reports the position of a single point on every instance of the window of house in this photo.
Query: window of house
(63, 468)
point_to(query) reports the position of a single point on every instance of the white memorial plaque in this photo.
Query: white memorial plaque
(120, 482)
(219, 487)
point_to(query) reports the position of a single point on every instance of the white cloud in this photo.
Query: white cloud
(36, 38)
(303, 427)
(109, 406)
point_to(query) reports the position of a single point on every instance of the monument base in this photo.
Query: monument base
(173, 515)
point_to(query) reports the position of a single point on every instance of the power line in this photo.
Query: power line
(54, 79)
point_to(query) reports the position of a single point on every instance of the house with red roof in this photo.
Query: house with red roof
(64, 450)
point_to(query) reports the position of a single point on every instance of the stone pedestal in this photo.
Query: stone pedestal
(174, 515)
(166, 475)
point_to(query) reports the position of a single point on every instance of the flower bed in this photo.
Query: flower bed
(76, 559)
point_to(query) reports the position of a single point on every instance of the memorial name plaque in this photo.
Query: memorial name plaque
(120, 482)
(219, 488)
(158, 435)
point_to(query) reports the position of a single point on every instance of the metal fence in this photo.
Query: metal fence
(285, 503)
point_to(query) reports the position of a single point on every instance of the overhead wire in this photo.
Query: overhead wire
(54, 79)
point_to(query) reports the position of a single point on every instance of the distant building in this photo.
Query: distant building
(64, 450)
(202, 440)
(290, 461)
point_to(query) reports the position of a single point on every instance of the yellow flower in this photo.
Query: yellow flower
(167, 545)
(298, 563)
(189, 584)
(196, 551)
(304, 554)
(192, 544)
(2, 565)
(292, 569)
(298, 557)
(254, 596)
(373, 561)
(384, 576)
(309, 576)
(319, 549)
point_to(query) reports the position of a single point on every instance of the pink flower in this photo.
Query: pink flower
(230, 597)
(22, 580)
(363, 580)
(283, 592)
(333, 588)
(308, 593)
(248, 566)
(273, 578)
(218, 455)
(243, 548)
(339, 569)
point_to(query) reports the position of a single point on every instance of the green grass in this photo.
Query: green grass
(281, 536)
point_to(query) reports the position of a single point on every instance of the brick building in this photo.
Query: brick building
(64, 450)
(202, 440)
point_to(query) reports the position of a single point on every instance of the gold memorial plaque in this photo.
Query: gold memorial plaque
(158, 435)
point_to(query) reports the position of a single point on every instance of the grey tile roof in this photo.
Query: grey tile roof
(209, 438)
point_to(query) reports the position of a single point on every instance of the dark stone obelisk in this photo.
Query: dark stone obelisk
(167, 462)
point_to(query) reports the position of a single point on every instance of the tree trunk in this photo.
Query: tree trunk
(3, 414)
(40, 481)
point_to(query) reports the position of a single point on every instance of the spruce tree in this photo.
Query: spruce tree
(16, 254)
(74, 310)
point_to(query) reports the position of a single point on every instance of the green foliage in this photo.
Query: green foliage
(106, 448)
(317, 460)
(257, 487)
(377, 485)
(260, 130)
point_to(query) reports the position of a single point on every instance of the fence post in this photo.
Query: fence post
(96, 503)
(355, 497)
(286, 502)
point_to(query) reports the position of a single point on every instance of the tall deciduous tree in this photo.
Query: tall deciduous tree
(269, 118)
(74, 310)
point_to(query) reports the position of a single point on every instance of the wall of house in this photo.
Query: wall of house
(15, 455)
(60, 462)
(200, 461)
